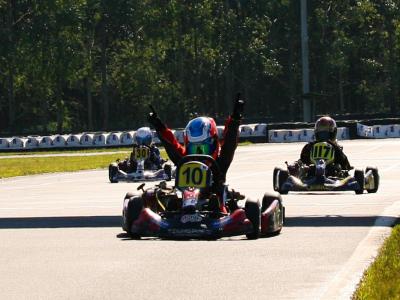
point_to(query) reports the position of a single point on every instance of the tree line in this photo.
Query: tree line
(84, 65)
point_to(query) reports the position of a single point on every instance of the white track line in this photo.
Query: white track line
(345, 282)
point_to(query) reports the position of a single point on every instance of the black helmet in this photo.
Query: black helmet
(325, 129)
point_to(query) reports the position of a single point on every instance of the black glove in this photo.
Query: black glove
(155, 120)
(238, 108)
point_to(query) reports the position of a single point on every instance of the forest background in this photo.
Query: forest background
(88, 65)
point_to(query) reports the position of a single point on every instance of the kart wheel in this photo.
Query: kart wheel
(282, 177)
(268, 199)
(130, 213)
(253, 213)
(112, 173)
(129, 195)
(168, 171)
(376, 179)
(274, 178)
(359, 176)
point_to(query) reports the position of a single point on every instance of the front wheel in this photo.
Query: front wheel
(253, 213)
(359, 176)
(132, 208)
(375, 174)
(112, 173)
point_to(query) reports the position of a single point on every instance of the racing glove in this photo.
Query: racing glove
(238, 108)
(155, 120)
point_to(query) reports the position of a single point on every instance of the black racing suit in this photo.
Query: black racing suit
(340, 163)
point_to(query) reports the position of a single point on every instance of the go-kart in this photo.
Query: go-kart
(121, 170)
(300, 177)
(190, 209)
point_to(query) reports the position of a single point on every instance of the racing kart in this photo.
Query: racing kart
(190, 210)
(121, 171)
(300, 177)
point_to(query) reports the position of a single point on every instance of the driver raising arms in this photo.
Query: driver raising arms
(325, 131)
(201, 137)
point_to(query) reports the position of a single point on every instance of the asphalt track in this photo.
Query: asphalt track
(61, 237)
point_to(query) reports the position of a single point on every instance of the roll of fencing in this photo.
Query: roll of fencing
(87, 139)
(32, 142)
(114, 138)
(74, 140)
(127, 138)
(4, 143)
(45, 142)
(100, 139)
(17, 143)
(156, 139)
(59, 140)
(179, 134)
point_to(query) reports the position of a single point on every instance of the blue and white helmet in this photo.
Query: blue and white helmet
(143, 136)
(201, 137)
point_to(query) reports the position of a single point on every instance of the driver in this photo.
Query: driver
(144, 138)
(201, 137)
(325, 130)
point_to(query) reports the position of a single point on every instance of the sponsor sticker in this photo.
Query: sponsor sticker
(193, 218)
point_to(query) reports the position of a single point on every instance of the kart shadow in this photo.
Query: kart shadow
(338, 221)
(60, 222)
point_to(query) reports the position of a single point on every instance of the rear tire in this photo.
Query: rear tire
(112, 172)
(376, 179)
(131, 213)
(253, 213)
(359, 176)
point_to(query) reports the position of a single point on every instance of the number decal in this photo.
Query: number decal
(324, 151)
(141, 153)
(193, 174)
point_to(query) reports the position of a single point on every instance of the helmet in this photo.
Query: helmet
(143, 136)
(325, 129)
(201, 137)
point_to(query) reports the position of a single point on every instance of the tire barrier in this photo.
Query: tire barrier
(87, 140)
(260, 132)
(378, 131)
(301, 135)
(59, 140)
(74, 140)
(4, 143)
(127, 138)
(100, 139)
(114, 139)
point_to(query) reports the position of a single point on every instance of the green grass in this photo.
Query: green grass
(37, 165)
(10, 167)
(382, 279)
(66, 151)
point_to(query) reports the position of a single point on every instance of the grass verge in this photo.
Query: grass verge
(382, 279)
(37, 165)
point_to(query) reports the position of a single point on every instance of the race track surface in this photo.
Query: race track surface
(61, 237)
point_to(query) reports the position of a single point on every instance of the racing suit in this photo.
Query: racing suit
(153, 162)
(176, 151)
(340, 163)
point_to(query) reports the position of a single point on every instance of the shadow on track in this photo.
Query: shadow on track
(336, 221)
(60, 222)
(115, 221)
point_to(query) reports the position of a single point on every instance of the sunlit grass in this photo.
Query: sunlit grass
(382, 279)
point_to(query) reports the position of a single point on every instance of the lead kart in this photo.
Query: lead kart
(123, 171)
(190, 210)
(299, 177)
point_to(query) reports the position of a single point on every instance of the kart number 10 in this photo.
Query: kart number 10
(192, 175)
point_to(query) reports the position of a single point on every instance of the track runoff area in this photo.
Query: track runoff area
(61, 237)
